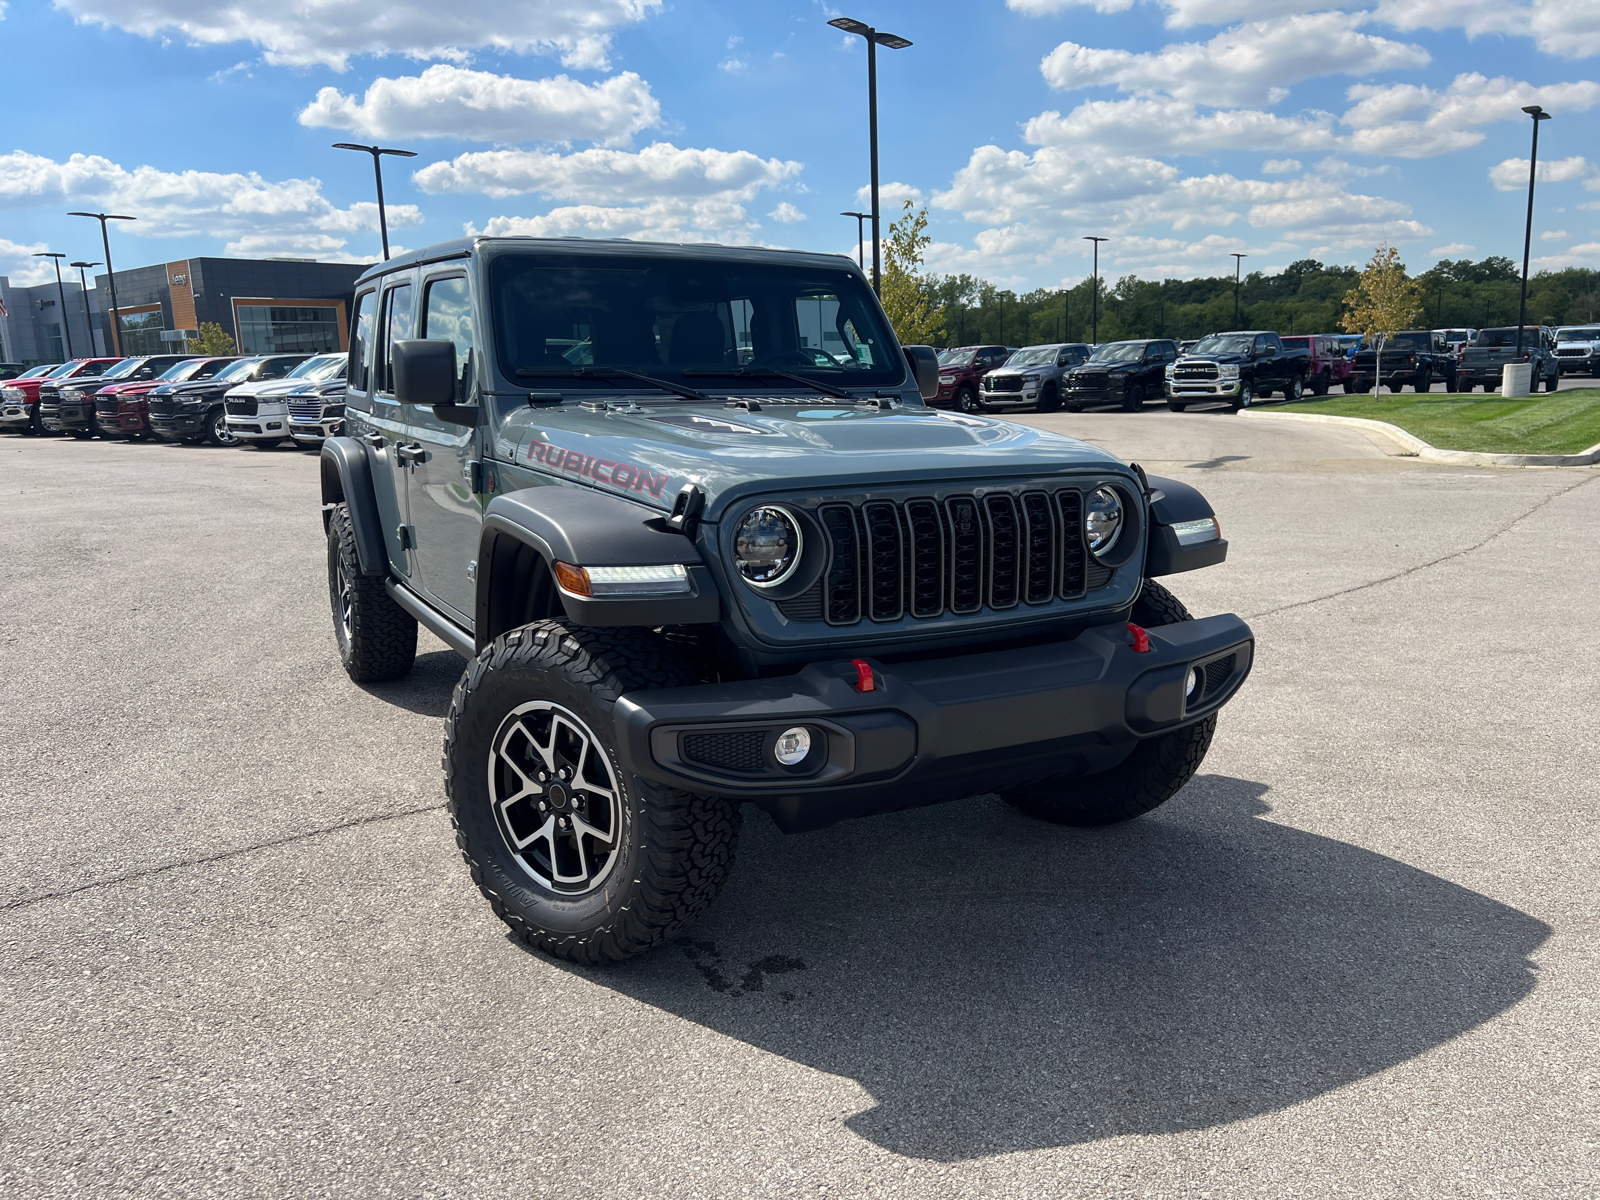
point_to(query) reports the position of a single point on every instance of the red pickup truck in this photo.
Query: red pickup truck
(1329, 363)
(19, 398)
(961, 368)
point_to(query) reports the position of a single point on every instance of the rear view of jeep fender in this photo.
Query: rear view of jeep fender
(347, 479)
(526, 532)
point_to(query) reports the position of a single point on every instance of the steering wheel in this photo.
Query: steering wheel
(784, 358)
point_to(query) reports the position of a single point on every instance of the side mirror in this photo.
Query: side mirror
(924, 364)
(424, 371)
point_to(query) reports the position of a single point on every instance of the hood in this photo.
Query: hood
(131, 388)
(335, 387)
(195, 387)
(1214, 358)
(1107, 366)
(264, 387)
(650, 451)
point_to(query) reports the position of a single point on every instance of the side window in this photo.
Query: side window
(395, 326)
(360, 369)
(275, 368)
(447, 317)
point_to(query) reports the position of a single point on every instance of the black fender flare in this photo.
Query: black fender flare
(1170, 503)
(527, 531)
(347, 479)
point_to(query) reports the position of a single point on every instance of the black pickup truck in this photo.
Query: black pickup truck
(1419, 357)
(1237, 367)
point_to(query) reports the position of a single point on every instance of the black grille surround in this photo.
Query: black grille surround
(1198, 372)
(986, 552)
(241, 408)
(107, 404)
(739, 751)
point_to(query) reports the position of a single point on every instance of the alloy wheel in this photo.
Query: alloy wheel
(347, 602)
(220, 433)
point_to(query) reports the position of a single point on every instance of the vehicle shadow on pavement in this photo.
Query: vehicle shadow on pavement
(999, 984)
(427, 689)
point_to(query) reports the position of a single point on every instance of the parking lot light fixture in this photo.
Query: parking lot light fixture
(875, 38)
(860, 237)
(1094, 288)
(1538, 114)
(83, 285)
(61, 293)
(1238, 264)
(111, 275)
(377, 153)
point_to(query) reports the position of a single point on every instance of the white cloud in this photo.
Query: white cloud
(705, 219)
(1281, 166)
(787, 214)
(1451, 249)
(1512, 174)
(1337, 168)
(1154, 125)
(1559, 27)
(193, 203)
(1042, 8)
(599, 177)
(329, 32)
(449, 101)
(1554, 235)
(891, 197)
(1251, 63)
(1412, 121)
(18, 264)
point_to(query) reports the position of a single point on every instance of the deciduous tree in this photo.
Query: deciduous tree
(908, 296)
(212, 341)
(1383, 302)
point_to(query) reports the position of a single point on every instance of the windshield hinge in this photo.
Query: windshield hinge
(882, 403)
(745, 405)
(686, 509)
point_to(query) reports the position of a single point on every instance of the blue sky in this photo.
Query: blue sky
(1181, 129)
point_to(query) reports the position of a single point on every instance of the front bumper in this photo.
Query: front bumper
(263, 427)
(71, 418)
(1203, 388)
(932, 730)
(1001, 399)
(314, 434)
(121, 424)
(1571, 366)
(16, 416)
(184, 424)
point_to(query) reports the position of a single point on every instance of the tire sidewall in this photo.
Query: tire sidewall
(217, 432)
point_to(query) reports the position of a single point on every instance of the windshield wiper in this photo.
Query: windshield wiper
(677, 389)
(827, 389)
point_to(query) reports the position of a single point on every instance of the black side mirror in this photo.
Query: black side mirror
(424, 371)
(924, 364)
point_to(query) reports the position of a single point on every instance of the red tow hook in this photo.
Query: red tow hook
(864, 680)
(1141, 639)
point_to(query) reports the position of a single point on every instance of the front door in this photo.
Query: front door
(443, 507)
(388, 432)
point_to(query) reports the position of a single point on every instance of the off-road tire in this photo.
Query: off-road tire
(380, 642)
(1320, 386)
(1050, 398)
(1133, 399)
(1147, 778)
(676, 848)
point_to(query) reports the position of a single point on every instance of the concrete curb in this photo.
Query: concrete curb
(1415, 447)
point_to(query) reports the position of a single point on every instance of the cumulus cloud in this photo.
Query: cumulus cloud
(609, 176)
(1155, 125)
(1554, 235)
(16, 258)
(678, 219)
(1281, 166)
(787, 214)
(449, 101)
(1512, 174)
(891, 197)
(1412, 121)
(328, 32)
(194, 203)
(1249, 64)
(1042, 8)
(1558, 27)
(1451, 249)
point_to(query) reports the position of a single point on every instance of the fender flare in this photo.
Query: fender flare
(1172, 501)
(527, 531)
(347, 479)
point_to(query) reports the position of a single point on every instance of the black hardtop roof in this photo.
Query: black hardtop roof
(466, 246)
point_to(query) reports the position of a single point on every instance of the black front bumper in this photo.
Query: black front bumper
(932, 730)
(184, 424)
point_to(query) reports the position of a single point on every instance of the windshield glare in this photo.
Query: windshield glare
(1033, 356)
(35, 372)
(956, 358)
(237, 371)
(1578, 335)
(178, 372)
(123, 369)
(669, 318)
(1118, 352)
(323, 366)
(1223, 345)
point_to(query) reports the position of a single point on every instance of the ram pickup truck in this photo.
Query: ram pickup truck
(17, 397)
(1415, 357)
(1578, 350)
(691, 571)
(22, 401)
(1120, 373)
(123, 409)
(316, 408)
(1240, 368)
(76, 405)
(1329, 364)
(195, 411)
(961, 372)
(1488, 352)
(258, 413)
(1032, 376)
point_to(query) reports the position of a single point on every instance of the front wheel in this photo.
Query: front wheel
(217, 431)
(1049, 399)
(1133, 399)
(1245, 398)
(1320, 387)
(1148, 777)
(967, 399)
(377, 638)
(581, 858)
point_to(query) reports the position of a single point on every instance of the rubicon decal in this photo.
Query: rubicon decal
(602, 470)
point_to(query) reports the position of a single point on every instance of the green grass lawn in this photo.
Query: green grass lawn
(1549, 423)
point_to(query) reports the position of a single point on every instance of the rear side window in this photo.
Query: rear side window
(361, 343)
(396, 326)
(447, 317)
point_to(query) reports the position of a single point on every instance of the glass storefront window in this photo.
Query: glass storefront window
(141, 334)
(288, 329)
(52, 343)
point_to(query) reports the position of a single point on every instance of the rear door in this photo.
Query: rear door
(440, 459)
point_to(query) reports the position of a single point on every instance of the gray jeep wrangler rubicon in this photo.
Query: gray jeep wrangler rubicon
(685, 512)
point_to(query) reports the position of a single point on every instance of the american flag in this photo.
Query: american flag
(3, 312)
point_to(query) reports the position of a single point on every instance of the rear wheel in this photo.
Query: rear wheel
(1320, 386)
(1148, 777)
(1421, 383)
(1295, 390)
(377, 638)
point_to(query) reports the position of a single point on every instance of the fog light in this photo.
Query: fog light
(1193, 685)
(792, 746)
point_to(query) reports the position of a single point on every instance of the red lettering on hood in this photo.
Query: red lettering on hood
(622, 475)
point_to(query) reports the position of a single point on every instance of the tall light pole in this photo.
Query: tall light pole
(83, 284)
(111, 275)
(1238, 266)
(860, 217)
(1094, 284)
(377, 153)
(875, 38)
(61, 293)
(1538, 114)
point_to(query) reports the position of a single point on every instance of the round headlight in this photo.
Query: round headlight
(766, 546)
(1103, 519)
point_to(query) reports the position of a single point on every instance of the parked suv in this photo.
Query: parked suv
(76, 403)
(194, 411)
(1488, 353)
(316, 407)
(123, 409)
(1418, 357)
(687, 577)
(1239, 368)
(18, 396)
(1329, 364)
(47, 396)
(961, 368)
(1123, 373)
(1033, 375)
(1578, 349)
(257, 412)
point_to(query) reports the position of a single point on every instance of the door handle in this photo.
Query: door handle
(374, 440)
(412, 453)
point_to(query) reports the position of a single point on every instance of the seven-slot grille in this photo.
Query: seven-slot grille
(926, 557)
(304, 411)
(241, 408)
(1197, 371)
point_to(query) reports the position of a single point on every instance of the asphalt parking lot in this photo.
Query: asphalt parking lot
(1358, 956)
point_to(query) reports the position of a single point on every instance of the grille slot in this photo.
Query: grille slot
(843, 584)
(728, 751)
(1217, 673)
(241, 408)
(1004, 562)
(926, 534)
(305, 411)
(882, 520)
(966, 555)
(1074, 550)
(1040, 586)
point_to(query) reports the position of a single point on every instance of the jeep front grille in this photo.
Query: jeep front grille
(926, 557)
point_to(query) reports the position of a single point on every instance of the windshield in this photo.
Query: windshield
(123, 369)
(323, 366)
(38, 371)
(1033, 356)
(1219, 344)
(1505, 337)
(1421, 341)
(669, 317)
(178, 372)
(237, 370)
(957, 357)
(1118, 352)
(1578, 335)
(1455, 335)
